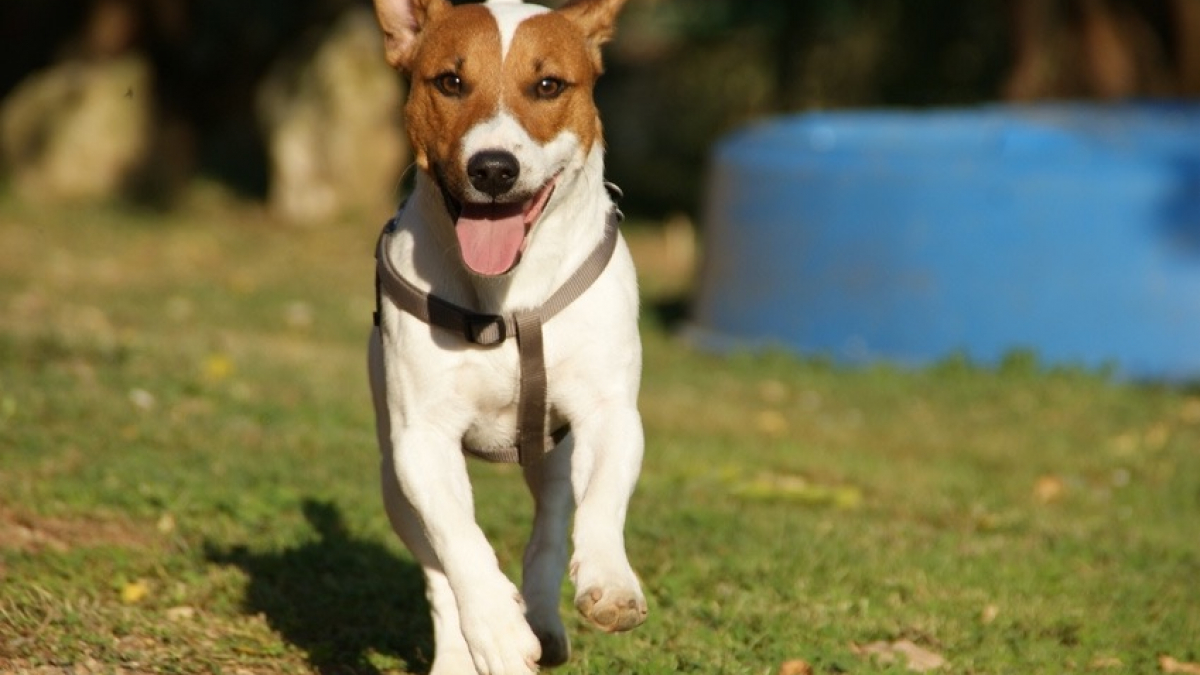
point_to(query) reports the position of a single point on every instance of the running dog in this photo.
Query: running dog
(507, 326)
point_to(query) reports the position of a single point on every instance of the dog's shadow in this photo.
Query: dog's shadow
(339, 598)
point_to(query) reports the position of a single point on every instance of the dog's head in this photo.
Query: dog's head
(499, 108)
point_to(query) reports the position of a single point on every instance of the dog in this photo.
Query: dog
(508, 212)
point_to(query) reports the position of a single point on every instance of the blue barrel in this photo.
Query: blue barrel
(1069, 230)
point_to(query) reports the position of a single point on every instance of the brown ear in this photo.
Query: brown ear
(596, 18)
(402, 22)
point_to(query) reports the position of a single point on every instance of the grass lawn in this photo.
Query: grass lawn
(187, 484)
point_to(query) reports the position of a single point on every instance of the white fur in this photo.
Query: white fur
(509, 14)
(539, 163)
(432, 390)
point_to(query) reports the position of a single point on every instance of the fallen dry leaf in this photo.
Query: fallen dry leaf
(142, 399)
(795, 667)
(181, 613)
(797, 489)
(217, 367)
(1048, 489)
(133, 592)
(989, 614)
(1170, 665)
(917, 658)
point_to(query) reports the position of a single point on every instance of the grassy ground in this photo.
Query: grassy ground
(187, 484)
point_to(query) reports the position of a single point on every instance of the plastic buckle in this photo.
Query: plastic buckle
(478, 330)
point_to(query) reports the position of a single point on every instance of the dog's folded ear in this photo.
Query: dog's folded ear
(402, 22)
(596, 18)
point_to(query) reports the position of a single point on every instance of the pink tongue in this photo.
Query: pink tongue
(490, 236)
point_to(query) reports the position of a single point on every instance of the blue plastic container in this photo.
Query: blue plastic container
(1071, 231)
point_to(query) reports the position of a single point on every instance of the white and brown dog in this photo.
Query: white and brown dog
(509, 207)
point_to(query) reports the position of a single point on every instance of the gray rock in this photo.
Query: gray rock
(333, 122)
(79, 130)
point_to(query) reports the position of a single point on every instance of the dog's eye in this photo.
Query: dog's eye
(450, 84)
(549, 88)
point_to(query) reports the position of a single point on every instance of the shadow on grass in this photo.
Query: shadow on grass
(339, 598)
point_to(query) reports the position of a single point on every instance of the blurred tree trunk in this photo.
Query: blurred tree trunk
(112, 29)
(1187, 22)
(790, 45)
(1107, 49)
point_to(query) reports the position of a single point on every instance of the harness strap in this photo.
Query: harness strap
(531, 400)
(489, 330)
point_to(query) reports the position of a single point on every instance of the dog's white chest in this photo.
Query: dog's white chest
(472, 389)
(496, 387)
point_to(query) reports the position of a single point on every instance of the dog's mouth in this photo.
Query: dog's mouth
(493, 235)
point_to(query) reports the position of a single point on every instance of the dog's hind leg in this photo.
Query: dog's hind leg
(605, 466)
(546, 554)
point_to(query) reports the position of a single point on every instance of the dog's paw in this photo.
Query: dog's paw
(613, 601)
(612, 609)
(500, 640)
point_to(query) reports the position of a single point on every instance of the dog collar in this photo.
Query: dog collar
(489, 330)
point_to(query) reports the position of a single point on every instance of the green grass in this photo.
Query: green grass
(187, 483)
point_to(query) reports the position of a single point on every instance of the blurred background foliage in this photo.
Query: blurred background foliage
(681, 73)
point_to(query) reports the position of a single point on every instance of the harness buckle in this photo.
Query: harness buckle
(486, 330)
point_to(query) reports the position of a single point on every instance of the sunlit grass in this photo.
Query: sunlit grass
(187, 483)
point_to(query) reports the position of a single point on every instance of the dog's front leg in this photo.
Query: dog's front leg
(432, 476)
(451, 654)
(607, 459)
(478, 623)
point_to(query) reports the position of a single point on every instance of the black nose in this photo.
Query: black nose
(493, 172)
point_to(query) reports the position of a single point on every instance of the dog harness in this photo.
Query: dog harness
(490, 330)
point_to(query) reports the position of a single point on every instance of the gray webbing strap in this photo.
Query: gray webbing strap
(531, 400)
(488, 330)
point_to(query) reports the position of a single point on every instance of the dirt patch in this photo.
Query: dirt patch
(89, 667)
(32, 533)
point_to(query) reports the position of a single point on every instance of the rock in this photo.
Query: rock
(79, 130)
(333, 124)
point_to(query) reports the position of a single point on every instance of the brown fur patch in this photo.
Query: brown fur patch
(464, 42)
(549, 45)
